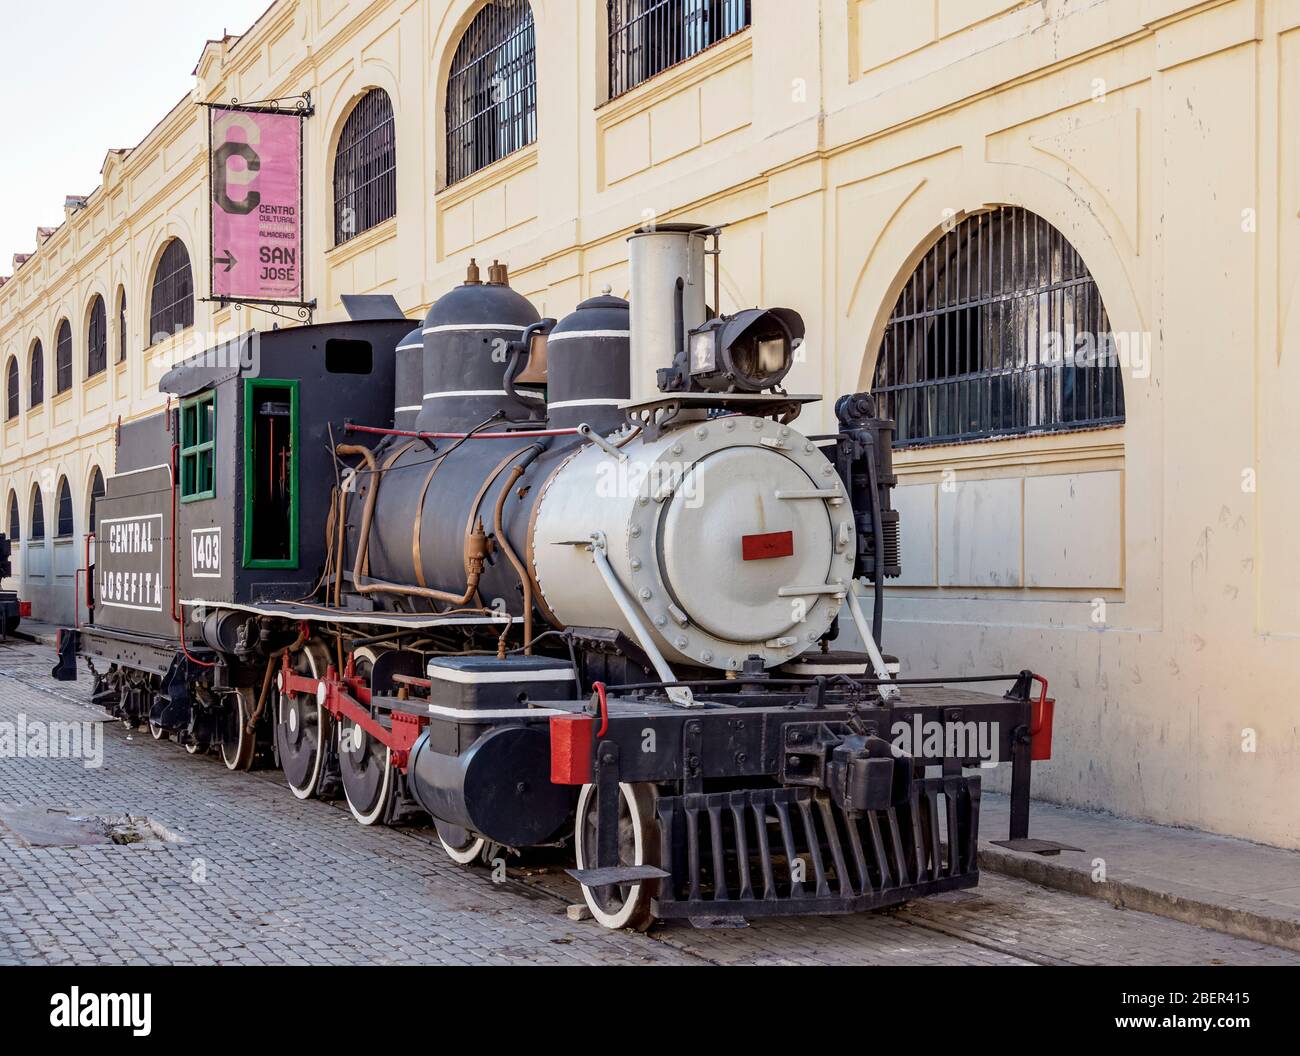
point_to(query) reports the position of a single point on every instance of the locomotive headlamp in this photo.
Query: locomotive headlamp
(747, 352)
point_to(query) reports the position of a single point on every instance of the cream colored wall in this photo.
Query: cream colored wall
(836, 138)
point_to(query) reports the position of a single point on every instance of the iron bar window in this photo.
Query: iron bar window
(121, 325)
(63, 358)
(15, 522)
(171, 304)
(37, 533)
(96, 493)
(97, 339)
(365, 167)
(648, 36)
(492, 89)
(999, 331)
(36, 380)
(11, 389)
(63, 529)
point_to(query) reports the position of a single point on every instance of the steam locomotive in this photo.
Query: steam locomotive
(483, 571)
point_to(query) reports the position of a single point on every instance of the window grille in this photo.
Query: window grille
(36, 381)
(11, 389)
(492, 89)
(37, 533)
(96, 493)
(64, 526)
(63, 358)
(97, 339)
(171, 305)
(648, 36)
(365, 167)
(999, 331)
(121, 326)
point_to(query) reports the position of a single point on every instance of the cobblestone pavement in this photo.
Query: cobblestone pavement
(236, 870)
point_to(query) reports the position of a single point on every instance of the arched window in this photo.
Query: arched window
(36, 377)
(96, 493)
(15, 523)
(121, 325)
(11, 389)
(171, 305)
(999, 331)
(365, 167)
(36, 534)
(64, 528)
(97, 338)
(492, 88)
(648, 36)
(63, 358)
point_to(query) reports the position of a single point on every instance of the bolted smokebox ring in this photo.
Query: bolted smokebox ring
(682, 637)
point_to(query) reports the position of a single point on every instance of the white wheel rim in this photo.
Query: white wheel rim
(312, 783)
(466, 854)
(381, 801)
(358, 737)
(232, 760)
(632, 903)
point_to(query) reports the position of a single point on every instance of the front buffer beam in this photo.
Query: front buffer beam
(792, 809)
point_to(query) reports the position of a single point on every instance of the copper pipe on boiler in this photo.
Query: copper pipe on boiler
(525, 580)
(476, 545)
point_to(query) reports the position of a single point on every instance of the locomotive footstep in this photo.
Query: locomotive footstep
(623, 899)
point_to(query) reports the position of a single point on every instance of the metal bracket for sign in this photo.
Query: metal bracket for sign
(300, 104)
(303, 309)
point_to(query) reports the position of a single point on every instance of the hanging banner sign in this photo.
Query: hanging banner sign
(255, 164)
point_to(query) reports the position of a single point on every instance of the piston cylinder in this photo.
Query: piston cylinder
(466, 790)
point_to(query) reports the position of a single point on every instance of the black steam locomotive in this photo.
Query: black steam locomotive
(481, 571)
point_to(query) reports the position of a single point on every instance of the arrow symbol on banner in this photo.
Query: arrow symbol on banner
(228, 260)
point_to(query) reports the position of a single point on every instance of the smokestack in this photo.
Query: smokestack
(659, 257)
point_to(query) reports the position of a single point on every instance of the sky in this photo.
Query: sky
(78, 77)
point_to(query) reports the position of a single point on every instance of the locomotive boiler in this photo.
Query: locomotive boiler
(578, 582)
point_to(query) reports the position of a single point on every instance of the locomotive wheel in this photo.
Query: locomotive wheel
(365, 764)
(302, 728)
(367, 771)
(620, 905)
(237, 743)
(461, 846)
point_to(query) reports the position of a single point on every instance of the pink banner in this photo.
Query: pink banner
(256, 205)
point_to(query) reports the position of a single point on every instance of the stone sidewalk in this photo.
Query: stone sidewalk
(1233, 886)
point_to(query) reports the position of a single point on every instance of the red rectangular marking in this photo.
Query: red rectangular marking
(767, 545)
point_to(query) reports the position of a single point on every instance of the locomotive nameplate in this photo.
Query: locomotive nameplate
(131, 561)
(205, 553)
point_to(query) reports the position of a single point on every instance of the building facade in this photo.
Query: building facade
(1059, 237)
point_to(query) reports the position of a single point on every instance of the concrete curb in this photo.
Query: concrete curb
(1129, 894)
